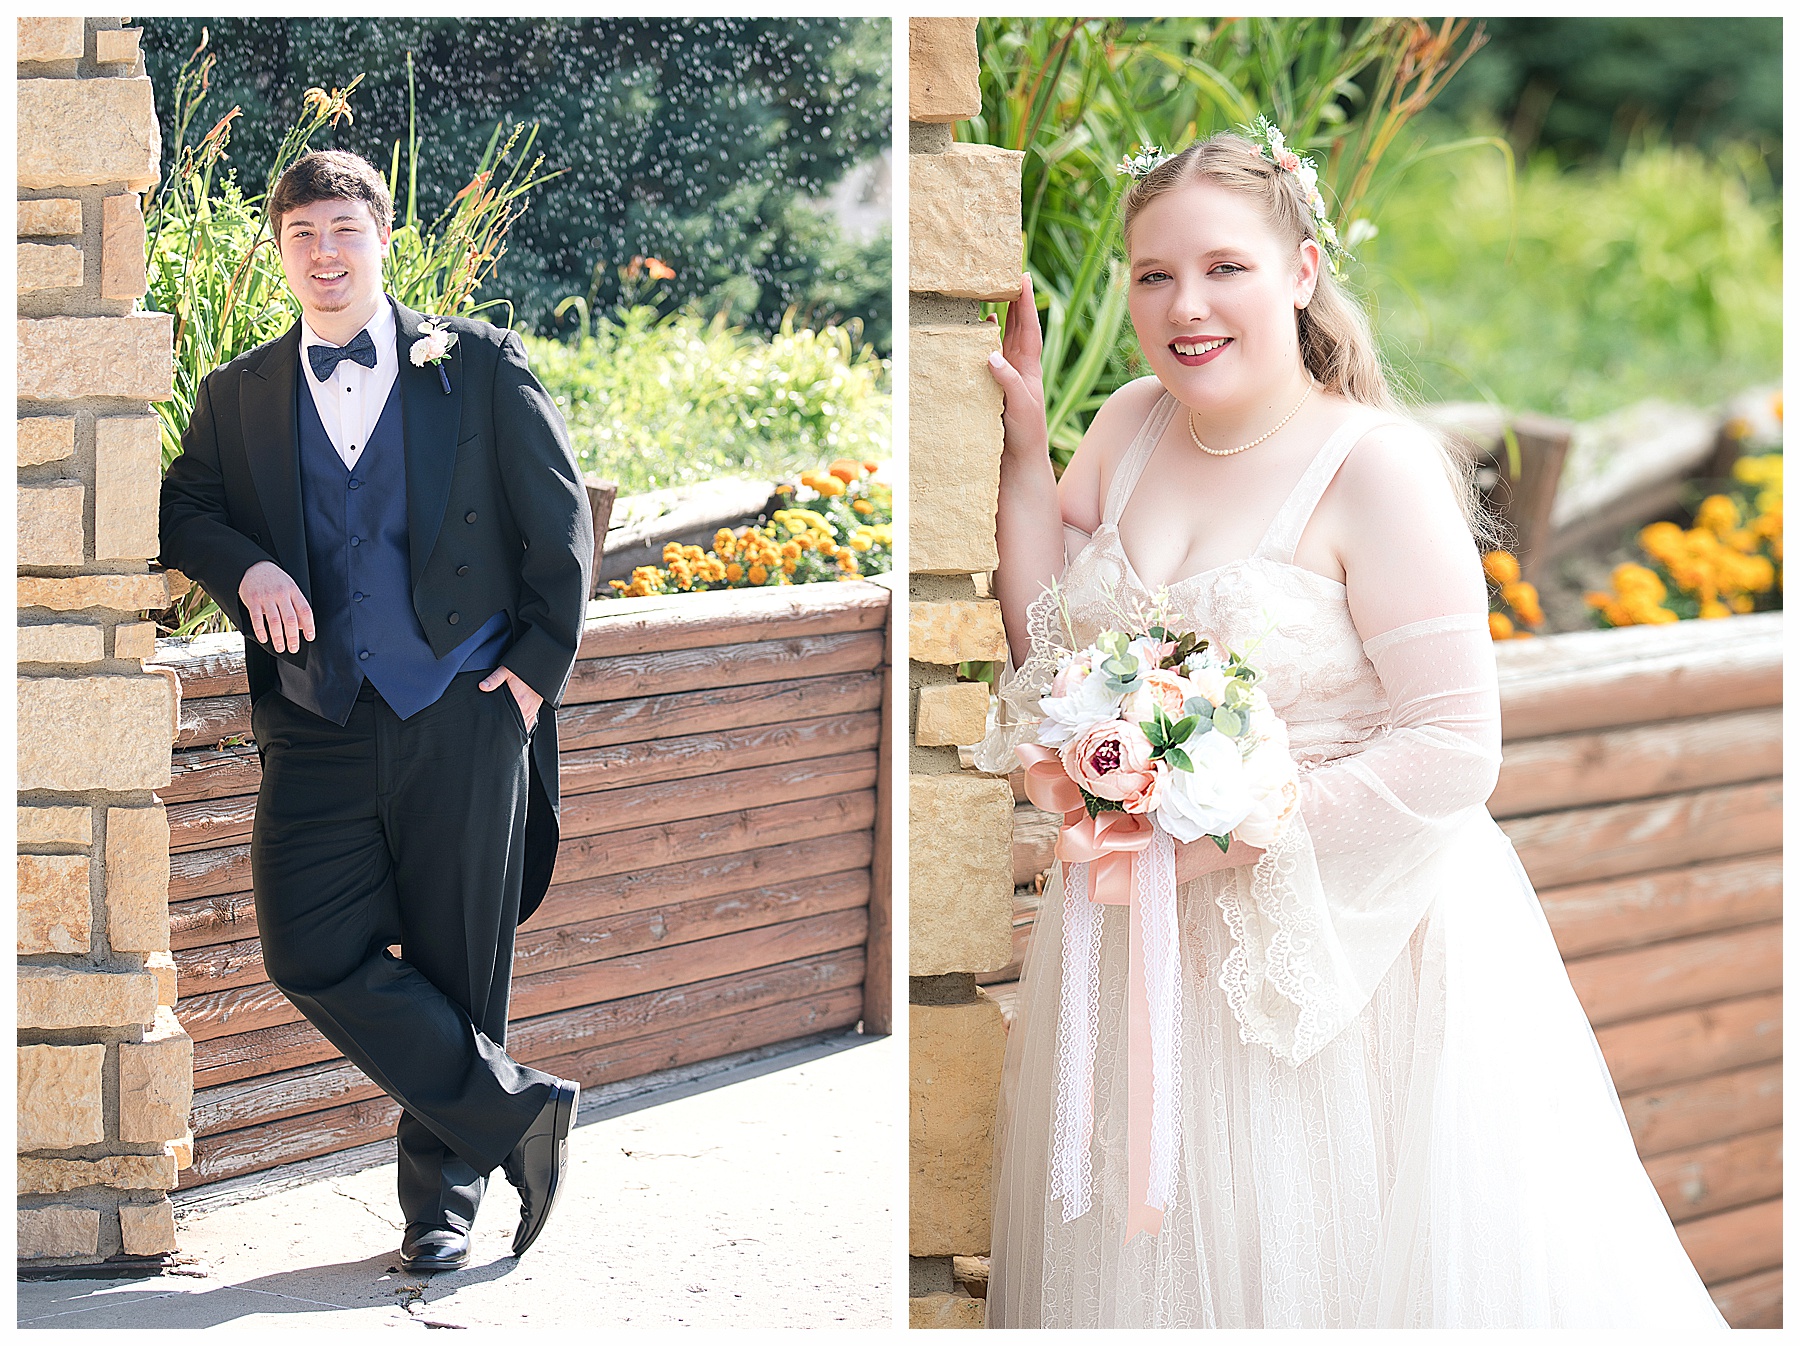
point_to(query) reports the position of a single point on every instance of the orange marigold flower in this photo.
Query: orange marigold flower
(758, 575)
(734, 572)
(1501, 567)
(870, 465)
(863, 506)
(1500, 626)
(659, 269)
(789, 567)
(846, 470)
(1717, 514)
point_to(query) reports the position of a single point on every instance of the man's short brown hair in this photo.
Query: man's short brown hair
(330, 175)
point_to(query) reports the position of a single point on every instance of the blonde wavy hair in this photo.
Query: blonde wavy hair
(1336, 342)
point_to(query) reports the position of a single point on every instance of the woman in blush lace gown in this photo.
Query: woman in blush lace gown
(1390, 1109)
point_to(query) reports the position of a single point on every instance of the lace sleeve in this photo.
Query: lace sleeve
(1014, 710)
(1323, 914)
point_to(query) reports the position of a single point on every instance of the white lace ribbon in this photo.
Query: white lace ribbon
(1078, 1030)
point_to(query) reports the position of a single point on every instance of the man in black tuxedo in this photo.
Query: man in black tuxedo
(388, 508)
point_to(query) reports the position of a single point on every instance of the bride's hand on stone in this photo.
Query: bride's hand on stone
(1019, 370)
(1195, 858)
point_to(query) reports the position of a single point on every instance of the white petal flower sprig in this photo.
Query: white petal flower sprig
(1143, 163)
(1274, 145)
(433, 348)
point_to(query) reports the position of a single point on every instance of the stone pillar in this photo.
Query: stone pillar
(105, 1070)
(963, 209)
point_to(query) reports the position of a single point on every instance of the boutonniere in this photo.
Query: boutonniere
(433, 347)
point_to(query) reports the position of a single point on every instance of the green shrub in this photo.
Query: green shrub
(654, 402)
(1600, 286)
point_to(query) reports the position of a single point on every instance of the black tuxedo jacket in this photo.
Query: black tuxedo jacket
(497, 517)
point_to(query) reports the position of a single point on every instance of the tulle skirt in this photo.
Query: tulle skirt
(1456, 1157)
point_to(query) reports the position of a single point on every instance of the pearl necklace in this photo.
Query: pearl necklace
(1226, 453)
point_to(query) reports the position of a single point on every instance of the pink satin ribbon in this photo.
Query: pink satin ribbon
(1109, 845)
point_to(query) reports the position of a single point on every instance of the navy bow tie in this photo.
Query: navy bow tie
(324, 359)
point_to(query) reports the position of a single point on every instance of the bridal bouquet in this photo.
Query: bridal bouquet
(1158, 724)
(1146, 739)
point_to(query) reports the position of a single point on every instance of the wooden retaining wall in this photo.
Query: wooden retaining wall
(1641, 787)
(721, 883)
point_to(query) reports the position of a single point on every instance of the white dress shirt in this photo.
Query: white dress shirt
(351, 400)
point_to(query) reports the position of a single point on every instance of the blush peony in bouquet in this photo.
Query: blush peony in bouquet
(1157, 724)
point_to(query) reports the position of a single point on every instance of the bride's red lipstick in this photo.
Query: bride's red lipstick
(1193, 360)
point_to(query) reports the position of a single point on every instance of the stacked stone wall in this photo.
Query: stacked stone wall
(963, 219)
(105, 1070)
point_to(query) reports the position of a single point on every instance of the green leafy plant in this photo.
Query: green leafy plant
(213, 263)
(663, 400)
(1079, 95)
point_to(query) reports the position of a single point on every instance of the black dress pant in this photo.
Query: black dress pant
(388, 832)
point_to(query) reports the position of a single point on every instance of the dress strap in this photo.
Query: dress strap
(1137, 457)
(1285, 531)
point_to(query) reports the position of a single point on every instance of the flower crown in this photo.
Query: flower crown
(1274, 145)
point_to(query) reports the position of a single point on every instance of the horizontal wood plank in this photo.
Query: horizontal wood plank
(230, 1104)
(1688, 1044)
(1622, 913)
(597, 724)
(255, 1148)
(655, 969)
(1696, 970)
(1718, 1175)
(703, 1041)
(1734, 1243)
(239, 1056)
(1637, 762)
(654, 672)
(541, 950)
(690, 756)
(702, 796)
(210, 720)
(214, 872)
(202, 823)
(1579, 845)
(1714, 1107)
(1750, 1301)
(704, 620)
(720, 834)
(212, 773)
(209, 665)
(1591, 679)
(218, 919)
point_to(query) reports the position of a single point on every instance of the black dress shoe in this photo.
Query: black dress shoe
(539, 1163)
(429, 1248)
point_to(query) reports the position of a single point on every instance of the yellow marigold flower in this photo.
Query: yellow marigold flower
(1737, 427)
(617, 584)
(847, 562)
(758, 575)
(671, 551)
(694, 553)
(828, 548)
(1502, 567)
(1500, 627)
(828, 486)
(1717, 514)
(861, 542)
(789, 567)
(1714, 610)
(1743, 603)
(805, 542)
(1523, 599)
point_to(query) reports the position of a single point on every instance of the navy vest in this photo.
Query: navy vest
(356, 548)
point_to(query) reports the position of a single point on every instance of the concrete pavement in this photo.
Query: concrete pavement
(757, 1192)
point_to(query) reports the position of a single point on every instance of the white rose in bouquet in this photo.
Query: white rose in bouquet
(1272, 778)
(1211, 799)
